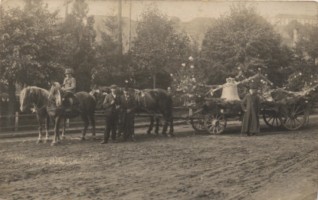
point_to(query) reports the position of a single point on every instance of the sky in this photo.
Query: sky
(185, 10)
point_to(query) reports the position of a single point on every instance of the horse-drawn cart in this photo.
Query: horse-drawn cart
(285, 109)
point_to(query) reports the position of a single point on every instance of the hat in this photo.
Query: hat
(113, 87)
(68, 71)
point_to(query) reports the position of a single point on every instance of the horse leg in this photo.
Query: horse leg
(92, 119)
(47, 126)
(171, 125)
(39, 129)
(150, 125)
(165, 125)
(63, 130)
(56, 131)
(86, 122)
(157, 125)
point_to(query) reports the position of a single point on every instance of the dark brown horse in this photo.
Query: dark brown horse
(156, 102)
(36, 98)
(69, 106)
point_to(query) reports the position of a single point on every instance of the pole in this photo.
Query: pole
(120, 39)
(129, 25)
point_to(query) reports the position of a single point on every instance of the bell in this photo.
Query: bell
(229, 91)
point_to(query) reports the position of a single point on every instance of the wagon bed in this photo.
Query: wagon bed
(290, 112)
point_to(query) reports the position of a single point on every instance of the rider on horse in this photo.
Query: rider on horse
(69, 87)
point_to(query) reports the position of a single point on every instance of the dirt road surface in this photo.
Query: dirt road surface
(275, 165)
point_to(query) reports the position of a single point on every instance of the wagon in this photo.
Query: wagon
(290, 111)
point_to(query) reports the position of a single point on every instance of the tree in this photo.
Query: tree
(158, 47)
(303, 69)
(111, 67)
(29, 47)
(79, 44)
(243, 42)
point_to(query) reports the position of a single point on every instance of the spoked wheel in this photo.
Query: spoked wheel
(294, 116)
(215, 124)
(272, 119)
(197, 122)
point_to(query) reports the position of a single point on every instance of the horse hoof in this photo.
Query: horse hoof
(46, 141)
(53, 144)
(38, 141)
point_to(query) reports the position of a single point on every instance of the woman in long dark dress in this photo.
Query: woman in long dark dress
(250, 106)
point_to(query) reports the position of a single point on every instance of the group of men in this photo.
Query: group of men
(119, 110)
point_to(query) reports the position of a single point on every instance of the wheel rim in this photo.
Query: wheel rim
(295, 117)
(215, 124)
(198, 123)
(272, 119)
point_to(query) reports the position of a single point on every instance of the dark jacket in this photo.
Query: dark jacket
(250, 105)
(128, 104)
(111, 104)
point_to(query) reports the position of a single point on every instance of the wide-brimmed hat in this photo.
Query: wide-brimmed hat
(113, 87)
(69, 71)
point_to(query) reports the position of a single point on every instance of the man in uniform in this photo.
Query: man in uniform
(111, 104)
(128, 115)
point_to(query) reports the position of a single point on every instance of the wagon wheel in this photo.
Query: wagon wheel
(197, 122)
(215, 123)
(295, 116)
(272, 118)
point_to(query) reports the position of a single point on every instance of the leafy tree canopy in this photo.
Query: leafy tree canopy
(245, 42)
(29, 46)
(158, 47)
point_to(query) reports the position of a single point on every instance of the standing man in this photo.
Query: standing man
(250, 106)
(128, 112)
(111, 104)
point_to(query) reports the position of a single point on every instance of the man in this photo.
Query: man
(69, 87)
(111, 104)
(69, 83)
(250, 106)
(128, 115)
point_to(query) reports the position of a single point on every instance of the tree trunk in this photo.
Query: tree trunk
(12, 103)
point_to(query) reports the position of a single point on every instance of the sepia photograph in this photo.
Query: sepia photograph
(158, 99)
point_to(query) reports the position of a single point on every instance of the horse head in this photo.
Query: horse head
(25, 99)
(32, 96)
(139, 97)
(99, 96)
(55, 94)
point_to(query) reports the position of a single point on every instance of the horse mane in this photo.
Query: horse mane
(40, 93)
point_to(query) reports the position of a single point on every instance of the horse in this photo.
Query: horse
(154, 102)
(70, 106)
(37, 98)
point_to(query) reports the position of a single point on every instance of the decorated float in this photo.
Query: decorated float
(280, 108)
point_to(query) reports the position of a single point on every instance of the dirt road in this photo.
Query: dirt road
(274, 165)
